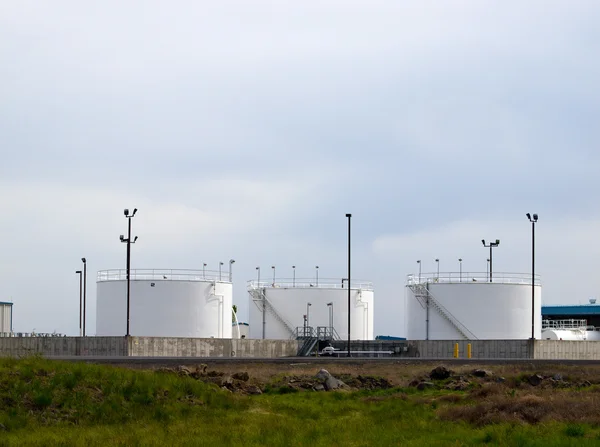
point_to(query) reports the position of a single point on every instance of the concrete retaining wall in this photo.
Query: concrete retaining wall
(441, 349)
(146, 347)
(210, 347)
(480, 349)
(63, 346)
(567, 350)
(252, 348)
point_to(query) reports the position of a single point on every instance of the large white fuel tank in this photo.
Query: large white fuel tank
(164, 303)
(280, 308)
(447, 306)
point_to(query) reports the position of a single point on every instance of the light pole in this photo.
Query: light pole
(317, 270)
(220, 265)
(533, 221)
(128, 241)
(491, 245)
(84, 287)
(349, 216)
(204, 270)
(231, 262)
(419, 262)
(273, 267)
(438, 268)
(460, 269)
(294, 277)
(330, 306)
(308, 315)
(80, 299)
(487, 270)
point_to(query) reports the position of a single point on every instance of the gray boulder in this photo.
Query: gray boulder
(329, 382)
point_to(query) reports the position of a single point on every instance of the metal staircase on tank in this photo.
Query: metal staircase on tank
(259, 298)
(307, 335)
(423, 295)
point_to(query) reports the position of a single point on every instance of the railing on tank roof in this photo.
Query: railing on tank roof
(163, 275)
(300, 283)
(471, 277)
(564, 324)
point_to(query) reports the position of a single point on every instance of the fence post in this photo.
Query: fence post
(455, 350)
(469, 350)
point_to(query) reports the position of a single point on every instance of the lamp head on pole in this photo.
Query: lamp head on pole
(231, 261)
(459, 259)
(78, 271)
(83, 260)
(535, 217)
(126, 212)
(483, 241)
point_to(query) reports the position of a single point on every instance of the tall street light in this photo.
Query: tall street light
(294, 277)
(204, 270)
(308, 314)
(273, 267)
(128, 241)
(330, 306)
(231, 262)
(317, 270)
(349, 216)
(491, 245)
(80, 299)
(419, 262)
(460, 269)
(487, 269)
(84, 288)
(220, 265)
(438, 268)
(533, 219)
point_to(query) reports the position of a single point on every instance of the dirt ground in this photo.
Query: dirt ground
(254, 377)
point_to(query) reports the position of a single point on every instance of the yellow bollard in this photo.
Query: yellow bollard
(455, 350)
(468, 350)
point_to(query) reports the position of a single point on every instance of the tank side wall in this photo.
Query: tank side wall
(489, 311)
(291, 305)
(165, 308)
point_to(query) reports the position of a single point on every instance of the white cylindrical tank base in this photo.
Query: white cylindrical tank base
(165, 307)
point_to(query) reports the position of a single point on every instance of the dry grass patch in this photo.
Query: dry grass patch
(530, 408)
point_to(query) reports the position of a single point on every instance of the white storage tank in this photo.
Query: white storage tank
(447, 306)
(164, 303)
(564, 334)
(286, 307)
(240, 330)
(6, 318)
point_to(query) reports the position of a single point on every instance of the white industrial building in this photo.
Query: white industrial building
(453, 306)
(6, 310)
(283, 309)
(164, 303)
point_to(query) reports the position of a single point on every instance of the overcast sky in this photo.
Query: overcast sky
(248, 130)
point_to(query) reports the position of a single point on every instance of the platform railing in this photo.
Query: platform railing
(163, 275)
(322, 283)
(471, 277)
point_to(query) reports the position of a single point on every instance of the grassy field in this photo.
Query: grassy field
(51, 403)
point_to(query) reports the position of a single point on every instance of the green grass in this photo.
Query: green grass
(51, 403)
